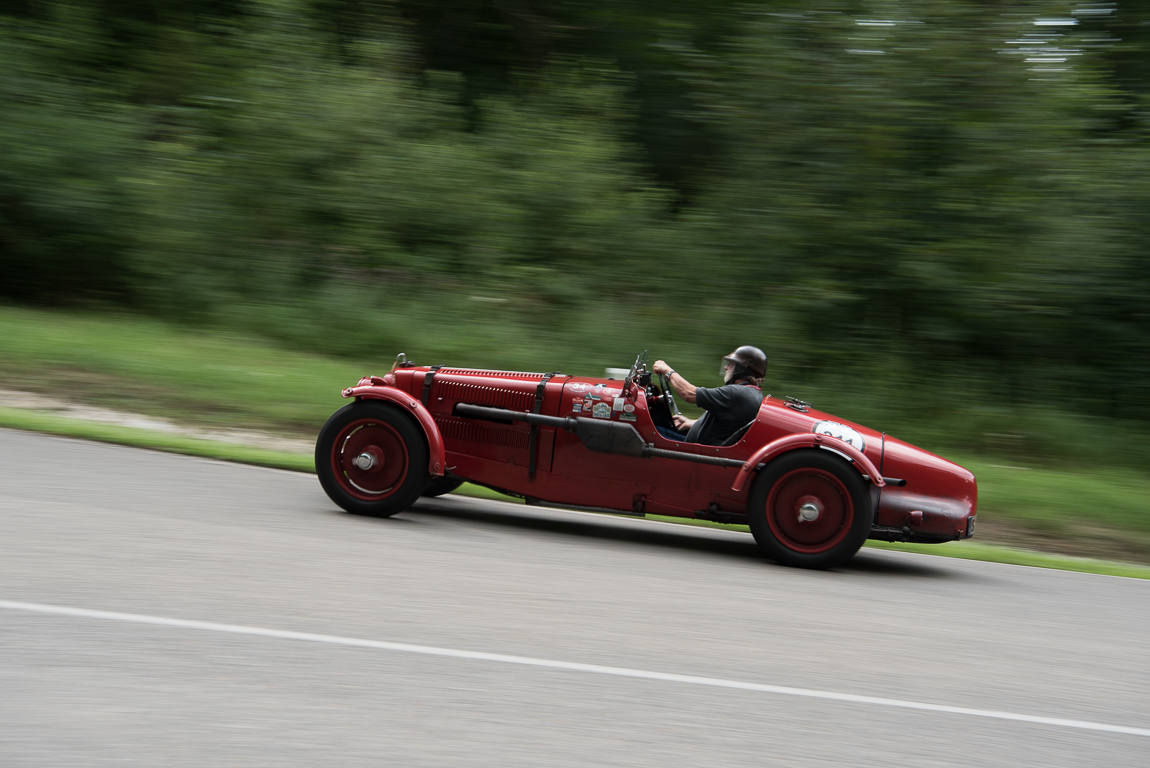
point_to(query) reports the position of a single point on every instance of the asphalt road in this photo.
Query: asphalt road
(103, 528)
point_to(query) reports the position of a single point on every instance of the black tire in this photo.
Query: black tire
(805, 480)
(396, 471)
(437, 486)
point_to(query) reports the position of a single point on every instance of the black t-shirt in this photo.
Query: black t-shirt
(729, 408)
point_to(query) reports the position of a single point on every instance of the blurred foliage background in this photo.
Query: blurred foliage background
(935, 206)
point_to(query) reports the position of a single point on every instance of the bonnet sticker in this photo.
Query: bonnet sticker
(601, 411)
(577, 406)
(618, 406)
(578, 386)
(628, 408)
(626, 417)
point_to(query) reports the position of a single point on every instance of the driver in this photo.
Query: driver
(729, 407)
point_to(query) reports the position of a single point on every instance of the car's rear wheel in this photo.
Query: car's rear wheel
(371, 459)
(437, 486)
(810, 509)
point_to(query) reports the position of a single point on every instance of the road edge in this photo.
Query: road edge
(46, 423)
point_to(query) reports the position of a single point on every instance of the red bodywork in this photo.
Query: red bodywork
(923, 497)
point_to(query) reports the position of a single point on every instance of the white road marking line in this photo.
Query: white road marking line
(428, 650)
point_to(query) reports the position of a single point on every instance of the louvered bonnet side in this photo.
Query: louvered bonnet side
(496, 389)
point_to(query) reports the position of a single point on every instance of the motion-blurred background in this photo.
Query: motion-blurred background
(933, 215)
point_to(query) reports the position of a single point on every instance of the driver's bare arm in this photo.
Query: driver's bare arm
(682, 387)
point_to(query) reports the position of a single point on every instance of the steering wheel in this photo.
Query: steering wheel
(668, 395)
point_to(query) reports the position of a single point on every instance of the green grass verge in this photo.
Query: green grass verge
(143, 366)
(993, 553)
(142, 438)
(976, 550)
(224, 379)
(56, 425)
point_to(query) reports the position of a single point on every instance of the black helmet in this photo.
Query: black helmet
(747, 359)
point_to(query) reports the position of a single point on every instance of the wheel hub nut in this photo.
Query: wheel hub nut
(364, 461)
(808, 513)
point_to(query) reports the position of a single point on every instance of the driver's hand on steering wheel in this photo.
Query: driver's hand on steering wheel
(661, 368)
(682, 423)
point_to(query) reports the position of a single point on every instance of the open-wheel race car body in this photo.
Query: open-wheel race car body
(811, 487)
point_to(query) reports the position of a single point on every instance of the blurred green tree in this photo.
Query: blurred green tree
(65, 226)
(938, 195)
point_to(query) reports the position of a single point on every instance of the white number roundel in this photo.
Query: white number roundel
(842, 432)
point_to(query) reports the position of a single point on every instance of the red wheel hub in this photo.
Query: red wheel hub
(370, 459)
(809, 510)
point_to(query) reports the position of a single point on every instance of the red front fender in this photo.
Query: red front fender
(437, 457)
(791, 442)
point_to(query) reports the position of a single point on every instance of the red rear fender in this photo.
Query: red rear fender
(789, 443)
(437, 458)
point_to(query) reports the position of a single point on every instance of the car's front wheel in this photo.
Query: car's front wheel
(810, 509)
(371, 459)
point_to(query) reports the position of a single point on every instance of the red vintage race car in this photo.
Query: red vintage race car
(811, 487)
